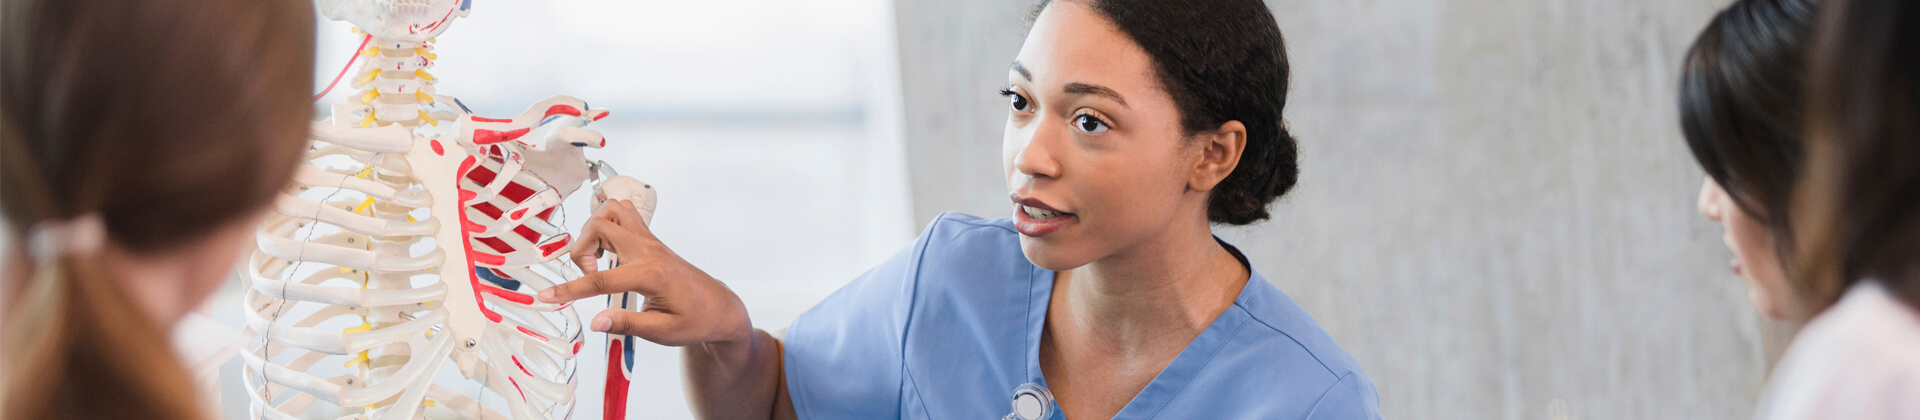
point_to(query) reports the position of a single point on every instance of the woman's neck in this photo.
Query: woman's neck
(1169, 287)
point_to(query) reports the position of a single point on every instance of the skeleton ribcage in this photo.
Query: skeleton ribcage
(396, 278)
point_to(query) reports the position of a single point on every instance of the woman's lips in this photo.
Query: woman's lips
(1046, 222)
(1036, 219)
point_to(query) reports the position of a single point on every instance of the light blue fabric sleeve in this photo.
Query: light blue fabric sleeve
(1353, 397)
(843, 357)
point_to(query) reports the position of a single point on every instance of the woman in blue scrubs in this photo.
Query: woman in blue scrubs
(1133, 126)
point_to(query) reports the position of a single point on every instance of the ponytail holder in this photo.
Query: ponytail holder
(80, 235)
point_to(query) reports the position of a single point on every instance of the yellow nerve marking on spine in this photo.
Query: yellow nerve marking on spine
(362, 357)
(423, 75)
(366, 78)
(363, 206)
(367, 122)
(423, 97)
(369, 96)
(423, 53)
(428, 119)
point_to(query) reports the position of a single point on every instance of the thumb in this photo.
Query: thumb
(648, 325)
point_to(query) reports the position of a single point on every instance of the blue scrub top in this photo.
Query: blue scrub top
(949, 327)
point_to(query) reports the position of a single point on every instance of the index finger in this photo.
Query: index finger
(630, 278)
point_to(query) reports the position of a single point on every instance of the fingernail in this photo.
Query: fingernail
(546, 296)
(602, 323)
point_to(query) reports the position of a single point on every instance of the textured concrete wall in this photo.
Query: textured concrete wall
(1496, 211)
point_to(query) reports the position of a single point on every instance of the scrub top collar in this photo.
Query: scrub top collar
(1177, 374)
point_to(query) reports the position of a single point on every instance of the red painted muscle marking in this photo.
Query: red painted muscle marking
(528, 233)
(488, 209)
(516, 363)
(489, 259)
(466, 236)
(497, 244)
(556, 246)
(516, 192)
(481, 175)
(509, 295)
(492, 120)
(534, 334)
(562, 109)
(485, 137)
(616, 392)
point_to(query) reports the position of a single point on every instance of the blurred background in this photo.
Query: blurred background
(1495, 216)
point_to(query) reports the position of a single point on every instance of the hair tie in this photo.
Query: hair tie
(79, 235)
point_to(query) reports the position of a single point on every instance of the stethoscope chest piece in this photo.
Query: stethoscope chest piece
(1031, 402)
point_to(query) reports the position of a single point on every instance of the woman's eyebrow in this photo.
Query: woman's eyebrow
(1024, 74)
(1085, 89)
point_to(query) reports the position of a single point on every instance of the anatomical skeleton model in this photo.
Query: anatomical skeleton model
(415, 237)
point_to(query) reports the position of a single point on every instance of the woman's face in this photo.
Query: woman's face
(1094, 153)
(1754, 256)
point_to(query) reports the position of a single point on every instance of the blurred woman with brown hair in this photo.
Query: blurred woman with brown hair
(139, 139)
(1857, 220)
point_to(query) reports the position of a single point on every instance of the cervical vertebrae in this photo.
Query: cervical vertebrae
(417, 234)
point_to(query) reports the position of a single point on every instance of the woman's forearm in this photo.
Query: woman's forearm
(734, 380)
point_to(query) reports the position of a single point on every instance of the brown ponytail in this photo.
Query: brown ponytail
(84, 351)
(165, 118)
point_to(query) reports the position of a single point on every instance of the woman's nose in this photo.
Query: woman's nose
(1035, 158)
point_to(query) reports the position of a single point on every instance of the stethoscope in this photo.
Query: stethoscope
(1031, 402)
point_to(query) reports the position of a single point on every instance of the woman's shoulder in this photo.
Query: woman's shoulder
(1280, 362)
(1855, 360)
(962, 229)
(957, 242)
(1276, 317)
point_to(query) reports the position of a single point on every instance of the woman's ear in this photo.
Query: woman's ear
(1219, 153)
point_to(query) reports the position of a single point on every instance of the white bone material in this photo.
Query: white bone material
(417, 234)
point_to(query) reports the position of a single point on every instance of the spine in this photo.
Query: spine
(393, 84)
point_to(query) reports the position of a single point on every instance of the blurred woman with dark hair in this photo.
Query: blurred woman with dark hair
(138, 140)
(1740, 110)
(1857, 221)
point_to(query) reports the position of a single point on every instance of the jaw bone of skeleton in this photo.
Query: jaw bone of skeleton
(398, 20)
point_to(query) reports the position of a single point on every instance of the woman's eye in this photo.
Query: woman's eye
(1089, 124)
(1020, 102)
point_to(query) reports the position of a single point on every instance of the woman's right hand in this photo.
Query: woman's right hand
(684, 306)
(732, 370)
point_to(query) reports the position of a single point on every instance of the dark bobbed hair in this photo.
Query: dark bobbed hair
(1741, 93)
(1220, 60)
(1859, 215)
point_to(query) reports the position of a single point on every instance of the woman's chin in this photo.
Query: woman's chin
(1767, 305)
(1047, 253)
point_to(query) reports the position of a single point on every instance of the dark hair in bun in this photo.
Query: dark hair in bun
(1221, 60)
